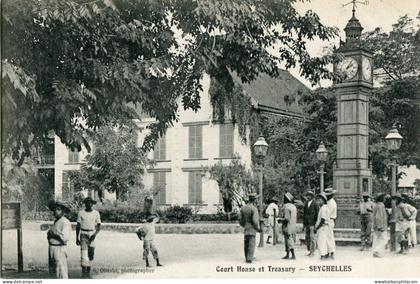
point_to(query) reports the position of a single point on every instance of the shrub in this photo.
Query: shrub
(176, 214)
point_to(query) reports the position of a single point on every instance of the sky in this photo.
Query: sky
(377, 13)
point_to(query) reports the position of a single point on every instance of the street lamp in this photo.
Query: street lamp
(321, 154)
(393, 142)
(260, 150)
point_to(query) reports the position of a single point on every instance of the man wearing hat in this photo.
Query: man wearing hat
(402, 217)
(58, 237)
(310, 215)
(272, 212)
(289, 225)
(332, 207)
(365, 211)
(322, 226)
(380, 225)
(412, 224)
(249, 219)
(146, 232)
(87, 228)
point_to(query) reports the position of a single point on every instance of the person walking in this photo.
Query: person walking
(289, 225)
(58, 236)
(272, 212)
(412, 224)
(322, 226)
(87, 228)
(249, 219)
(332, 207)
(380, 225)
(365, 211)
(310, 215)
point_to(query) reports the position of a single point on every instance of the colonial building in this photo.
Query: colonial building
(194, 143)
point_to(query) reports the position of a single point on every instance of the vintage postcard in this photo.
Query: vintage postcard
(218, 139)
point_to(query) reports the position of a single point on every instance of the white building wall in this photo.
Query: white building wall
(177, 139)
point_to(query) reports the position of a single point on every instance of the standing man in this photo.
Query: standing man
(249, 219)
(401, 223)
(380, 226)
(310, 215)
(289, 225)
(412, 236)
(365, 211)
(272, 212)
(87, 228)
(322, 226)
(58, 237)
(332, 207)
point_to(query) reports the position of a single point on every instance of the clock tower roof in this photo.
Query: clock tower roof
(353, 29)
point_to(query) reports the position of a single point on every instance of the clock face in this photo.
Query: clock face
(366, 69)
(348, 67)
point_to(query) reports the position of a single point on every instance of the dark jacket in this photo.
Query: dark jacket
(249, 219)
(310, 214)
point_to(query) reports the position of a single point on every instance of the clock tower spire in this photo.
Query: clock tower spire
(352, 172)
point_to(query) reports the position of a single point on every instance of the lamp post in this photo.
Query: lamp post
(321, 154)
(260, 150)
(393, 142)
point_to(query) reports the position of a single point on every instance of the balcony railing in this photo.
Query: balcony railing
(45, 160)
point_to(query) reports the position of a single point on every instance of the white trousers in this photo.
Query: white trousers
(322, 239)
(412, 236)
(331, 239)
(57, 261)
(380, 239)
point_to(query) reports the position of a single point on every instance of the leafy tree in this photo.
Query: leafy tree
(26, 184)
(397, 53)
(234, 181)
(74, 65)
(117, 164)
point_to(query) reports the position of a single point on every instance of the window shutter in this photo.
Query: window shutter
(191, 183)
(195, 141)
(199, 142)
(162, 191)
(198, 188)
(226, 140)
(160, 149)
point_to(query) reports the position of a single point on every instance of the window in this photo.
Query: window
(226, 140)
(195, 141)
(159, 182)
(160, 149)
(194, 188)
(73, 156)
(67, 186)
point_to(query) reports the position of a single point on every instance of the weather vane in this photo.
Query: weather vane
(354, 2)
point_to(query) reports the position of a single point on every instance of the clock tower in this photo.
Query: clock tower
(352, 172)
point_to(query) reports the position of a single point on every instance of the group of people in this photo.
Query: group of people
(87, 228)
(375, 218)
(319, 218)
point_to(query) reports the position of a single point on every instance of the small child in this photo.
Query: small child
(146, 232)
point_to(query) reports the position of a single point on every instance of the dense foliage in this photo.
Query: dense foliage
(117, 164)
(234, 181)
(74, 65)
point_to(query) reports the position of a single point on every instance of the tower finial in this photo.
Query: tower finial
(355, 2)
(354, 8)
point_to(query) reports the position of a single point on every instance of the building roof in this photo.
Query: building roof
(268, 94)
(271, 94)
